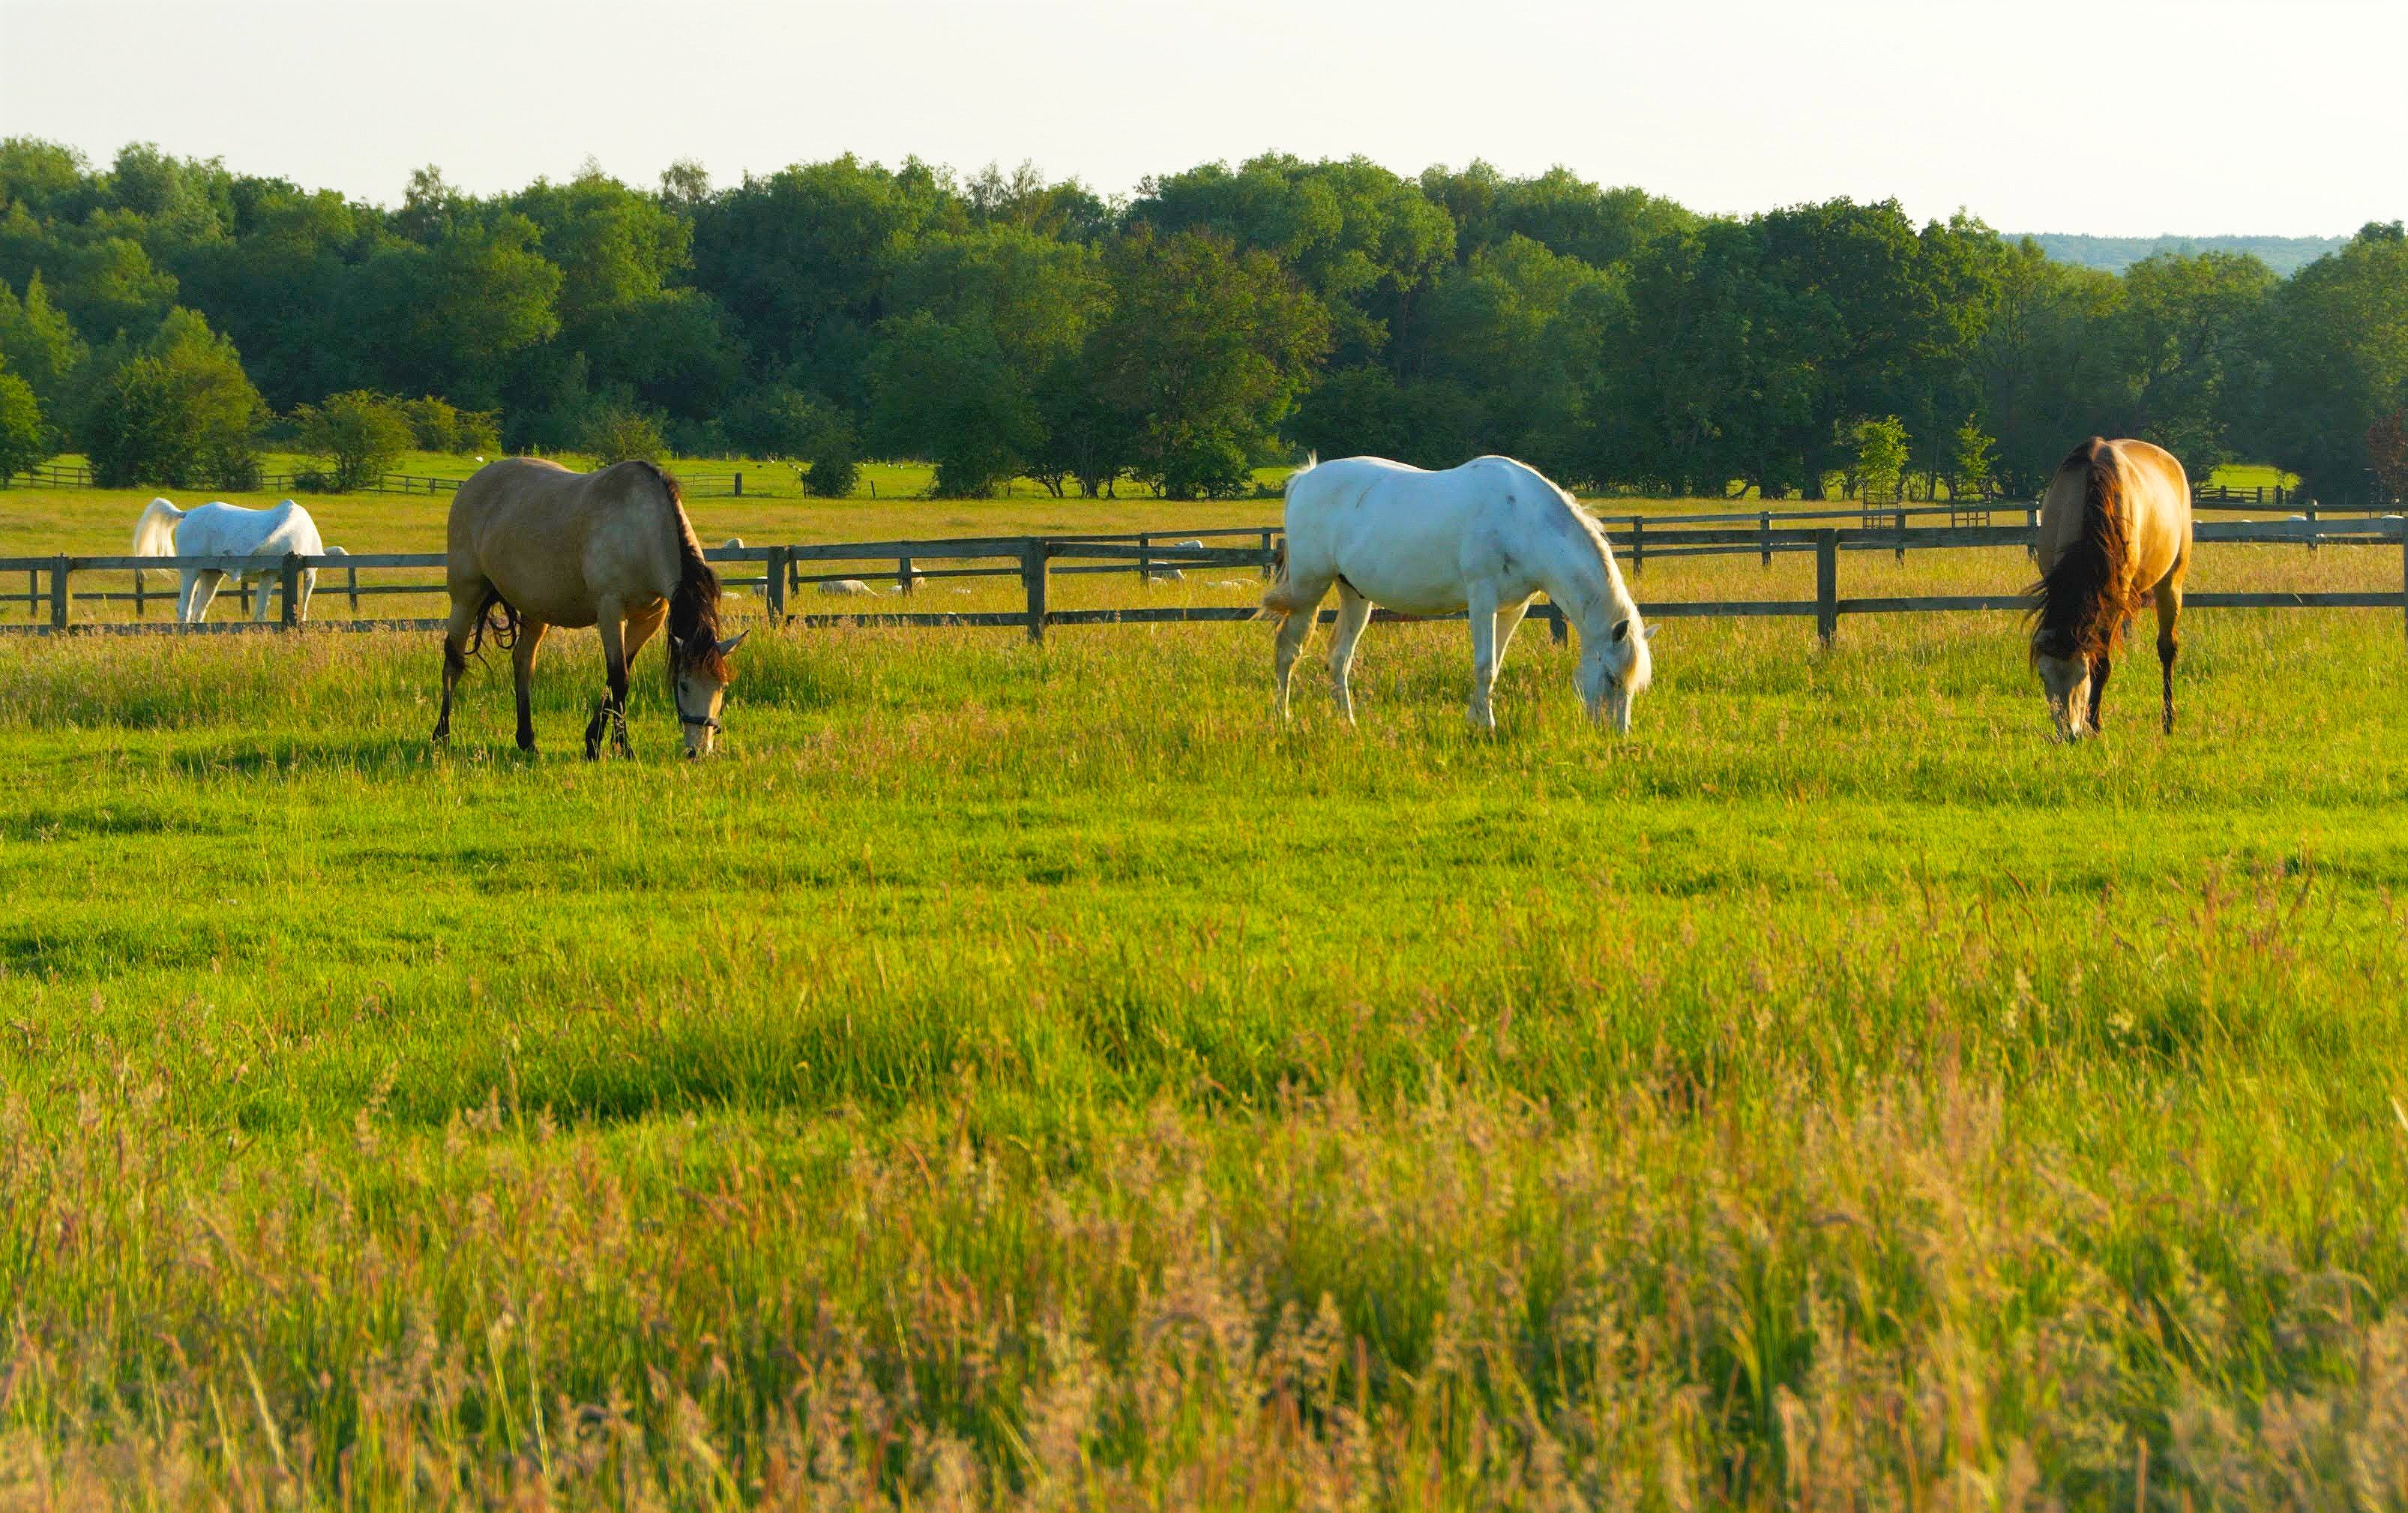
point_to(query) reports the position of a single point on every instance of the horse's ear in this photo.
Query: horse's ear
(1649, 633)
(725, 647)
(1622, 631)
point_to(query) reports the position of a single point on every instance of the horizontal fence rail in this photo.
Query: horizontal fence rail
(785, 570)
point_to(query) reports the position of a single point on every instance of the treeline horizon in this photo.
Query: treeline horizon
(167, 316)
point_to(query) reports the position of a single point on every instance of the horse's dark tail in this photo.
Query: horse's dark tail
(505, 630)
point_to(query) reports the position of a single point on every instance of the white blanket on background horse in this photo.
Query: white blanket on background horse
(219, 529)
(1483, 538)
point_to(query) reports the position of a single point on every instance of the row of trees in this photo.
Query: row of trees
(1009, 325)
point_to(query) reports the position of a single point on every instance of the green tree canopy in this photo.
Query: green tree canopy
(359, 435)
(174, 413)
(39, 343)
(1205, 349)
(25, 437)
(2336, 350)
(2182, 329)
(1360, 239)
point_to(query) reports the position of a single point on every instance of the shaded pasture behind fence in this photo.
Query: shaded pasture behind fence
(779, 574)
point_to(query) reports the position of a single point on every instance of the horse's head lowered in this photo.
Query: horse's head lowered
(2064, 670)
(2079, 619)
(699, 673)
(1617, 667)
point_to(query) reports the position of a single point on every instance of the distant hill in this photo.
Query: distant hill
(2284, 255)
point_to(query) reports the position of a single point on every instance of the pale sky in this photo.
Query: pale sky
(2115, 117)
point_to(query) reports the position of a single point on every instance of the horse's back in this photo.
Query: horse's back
(2153, 491)
(218, 529)
(1409, 538)
(554, 543)
(1402, 502)
(2159, 494)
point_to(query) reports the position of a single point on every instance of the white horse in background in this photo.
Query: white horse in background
(1483, 538)
(219, 529)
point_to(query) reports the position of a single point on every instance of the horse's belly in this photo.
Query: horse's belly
(1407, 594)
(567, 612)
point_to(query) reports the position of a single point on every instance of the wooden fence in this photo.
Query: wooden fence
(1037, 560)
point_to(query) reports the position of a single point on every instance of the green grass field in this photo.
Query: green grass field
(1033, 1076)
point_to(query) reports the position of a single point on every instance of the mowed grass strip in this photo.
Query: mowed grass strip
(1032, 1074)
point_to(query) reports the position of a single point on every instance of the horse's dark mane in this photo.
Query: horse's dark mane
(2081, 610)
(693, 607)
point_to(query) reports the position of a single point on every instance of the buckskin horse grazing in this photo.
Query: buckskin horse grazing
(1484, 537)
(546, 547)
(2115, 528)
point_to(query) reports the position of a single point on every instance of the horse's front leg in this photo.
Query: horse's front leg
(522, 676)
(1509, 620)
(613, 713)
(1482, 611)
(259, 605)
(2098, 693)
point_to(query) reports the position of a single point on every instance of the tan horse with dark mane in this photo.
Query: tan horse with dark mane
(2115, 528)
(546, 547)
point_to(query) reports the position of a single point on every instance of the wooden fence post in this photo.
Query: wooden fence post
(2403, 566)
(1637, 545)
(1901, 533)
(141, 610)
(1144, 559)
(1827, 585)
(2031, 523)
(1764, 534)
(59, 593)
(352, 581)
(773, 585)
(246, 595)
(1559, 630)
(739, 485)
(288, 579)
(1032, 579)
(1267, 556)
(32, 592)
(906, 577)
(2312, 524)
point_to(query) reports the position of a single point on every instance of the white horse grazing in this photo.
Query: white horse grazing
(1485, 537)
(219, 529)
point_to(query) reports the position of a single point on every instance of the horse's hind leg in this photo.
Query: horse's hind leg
(1306, 598)
(1354, 613)
(456, 651)
(200, 590)
(2168, 644)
